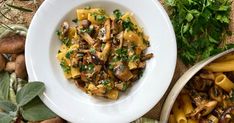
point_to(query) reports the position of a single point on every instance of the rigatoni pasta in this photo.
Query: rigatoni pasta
(209, 96)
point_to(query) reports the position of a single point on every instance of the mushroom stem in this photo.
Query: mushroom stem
(225, 113)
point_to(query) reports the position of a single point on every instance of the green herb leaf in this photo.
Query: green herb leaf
(7, 106)
(5, 118)
(117, 14)
(19, 8)
(100, 18)
(75, 20)
(28, 92)
(35, 110)
(65, 66)
(4, 85)
(200, 27)
(68, 54)
(128, 25)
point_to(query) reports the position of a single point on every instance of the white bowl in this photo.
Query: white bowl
(182, 81)
(65, 98)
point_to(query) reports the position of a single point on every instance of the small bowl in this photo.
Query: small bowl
(182, 81)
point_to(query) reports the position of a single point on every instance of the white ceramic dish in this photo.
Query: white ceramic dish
(65, 98)
(182, 81)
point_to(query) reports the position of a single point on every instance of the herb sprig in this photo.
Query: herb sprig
(26, 105)
(200, 27)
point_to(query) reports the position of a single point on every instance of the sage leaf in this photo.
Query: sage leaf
(5, 118)
(28, 92)
(4, 85)
(35, 110)
(7, 106)
(19, 8)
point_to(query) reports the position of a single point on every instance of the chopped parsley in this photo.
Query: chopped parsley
(92, 50)
(125, 86)
(68, 54)
(121, 55)
(232, 95)
(88, 67)
(100, 18)
(105, 82)
(75, 20)
(134, 58)
(117, 13)
(65, 66)
(128, 25)
(58, 33)
(87, 30)
(87, 8)
(66, 41)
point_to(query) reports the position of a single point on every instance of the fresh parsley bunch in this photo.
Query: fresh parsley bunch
(25, 105)
(200, 27)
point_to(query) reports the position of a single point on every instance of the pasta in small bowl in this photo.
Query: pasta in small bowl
(204, 94)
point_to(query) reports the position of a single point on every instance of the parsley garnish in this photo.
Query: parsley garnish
(100, 18)
(121, 55)
(65, 66)
(128, 25)
(117, 14)
(66, 41)
(75, 20)
(68, 54)
(200, 26)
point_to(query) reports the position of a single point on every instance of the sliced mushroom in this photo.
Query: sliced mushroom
(204, 109)
(120, 38)
(216, 93)
(85, 23)
(122, 72)
(2, 62)
(224, 118)
(147, 57)
(65, 28)
(87, 38)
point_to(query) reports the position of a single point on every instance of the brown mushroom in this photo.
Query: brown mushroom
(216, 93)
(65, 28)
(204, 109)
(20, 67)
(54, 120)
(85, 23)
(147, 57)
(10, 67)
(228, 111)
(122, 72)
(12, 44)
(2, 62)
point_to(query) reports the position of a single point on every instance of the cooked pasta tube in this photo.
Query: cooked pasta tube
(223, 82)
(187, 104)
(209, 75)
(179, 113)
(213, 119)
(227, 57)
(225, 66)
(171, 119)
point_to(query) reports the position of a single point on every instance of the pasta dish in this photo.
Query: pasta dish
(102, 54)
(209, 96)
